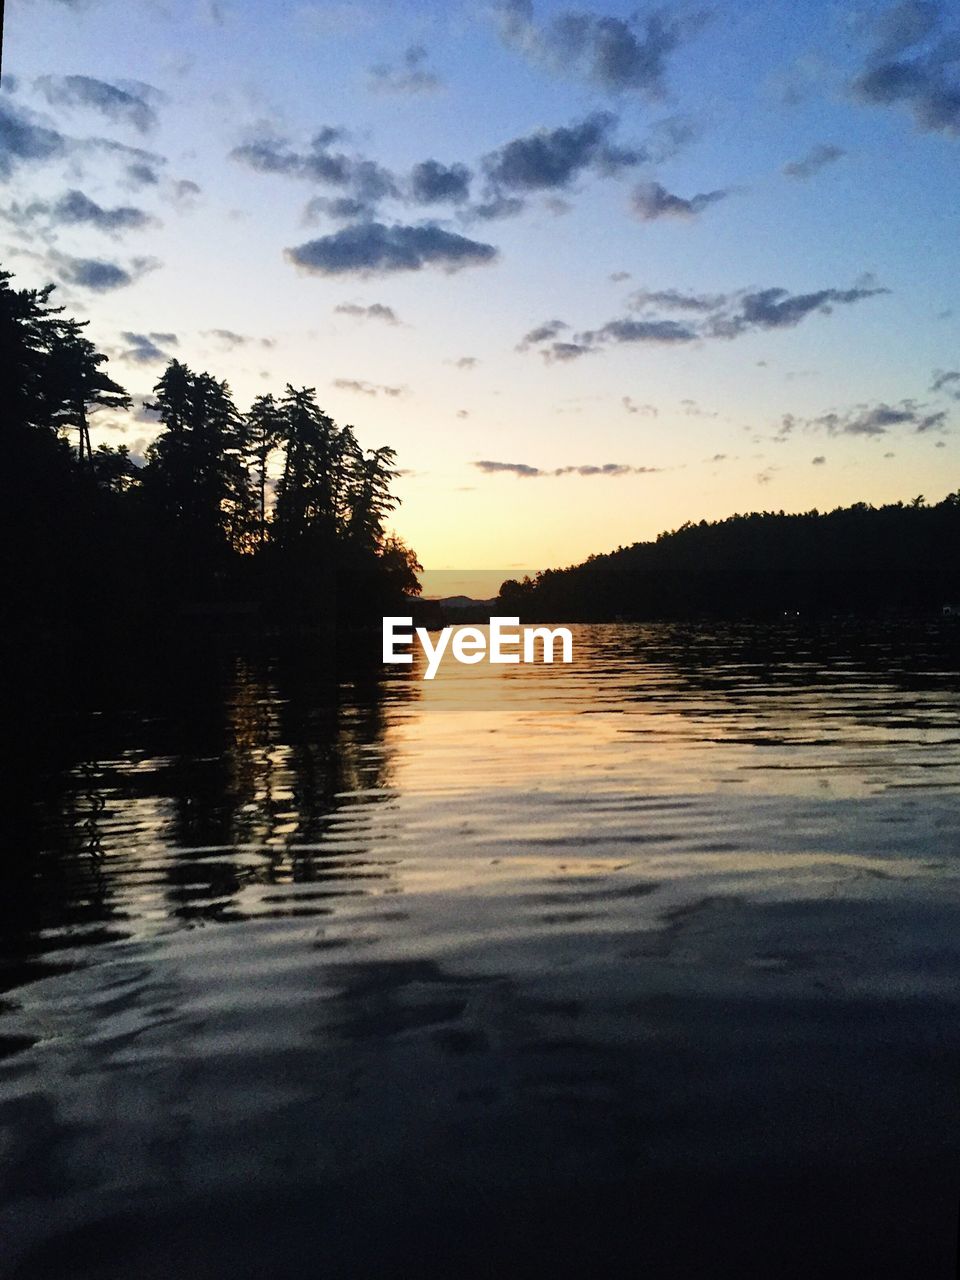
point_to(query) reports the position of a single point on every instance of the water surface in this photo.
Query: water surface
(646, 965)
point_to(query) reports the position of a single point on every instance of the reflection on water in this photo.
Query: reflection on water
(648, 962)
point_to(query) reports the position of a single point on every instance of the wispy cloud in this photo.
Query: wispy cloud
(147, 348)
(652, 201)
(817, 158)
(367, 388)
(124, 103)
(708, 316)
(526, 472)
(375, 311)
(870, 420)
(411, 76)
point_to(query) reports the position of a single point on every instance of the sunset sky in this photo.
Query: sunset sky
(592, 272)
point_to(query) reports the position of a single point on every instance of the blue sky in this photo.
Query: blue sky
(730, 228)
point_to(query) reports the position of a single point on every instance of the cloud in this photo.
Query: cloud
(410, 77)
(185, 191)
(97, 274)
(561, 352)
(816, 158)
(496, 206)
(948, 381)
(902, 26)
(141, 174)
(466, 362)
(912, 64)
(23, 140)
(659, 331)
(146, 348)
(819, 460)
(362, 182)
(526, 472)
(75, 208)
(367, 388)
(228, 337)
(432, 182)
(779, 309)
(542, 333)
(339, 208)
(375, 311)
(129, 103)
(708, 316)
(651, 201)
(551, 158)
(618, 55)
(93, 273)
(870, 420)
(372, 248)
(676, 300)
(648, 410)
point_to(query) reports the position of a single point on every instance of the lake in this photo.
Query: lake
(646, 965)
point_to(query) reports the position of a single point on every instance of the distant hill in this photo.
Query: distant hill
(898, 558)
(464, 602)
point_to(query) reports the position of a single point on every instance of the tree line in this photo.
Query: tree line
(276, 510)
(900, 558)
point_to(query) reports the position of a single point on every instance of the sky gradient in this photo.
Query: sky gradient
(592, 272)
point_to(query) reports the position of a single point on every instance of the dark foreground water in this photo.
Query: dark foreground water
(648, 966)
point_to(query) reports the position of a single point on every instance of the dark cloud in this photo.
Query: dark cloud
(367, 388)
(142, 175)
(93, 273)
(819, 460)
(870, 420)
(74, 207)
(912, 63)
(710, 316)
(526, 472)
(817, 158)
(542, 333)
(779, 309)
(466, 362)
(948, 381)
(372, 248)
(147, 348)
(552, 158)
(411, 76)
(432, 182)
(125, 104)
(375, 311)
(651, 201)
(561, 352)
(614, 54)
(23, 140)
(361, 182)
(663, 332)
